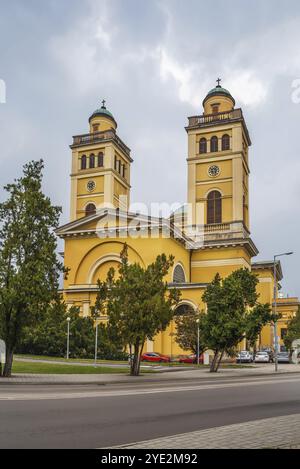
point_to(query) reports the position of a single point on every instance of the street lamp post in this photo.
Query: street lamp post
(275, 307)
(198, 342)
(68, 337)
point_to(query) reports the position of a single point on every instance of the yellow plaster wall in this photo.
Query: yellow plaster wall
(213, 261)
(82, 182)
(119, 189)
(104, 123)
(225, 104)
(102, 271)
(85, 252)
(203, 167)
(98, 200)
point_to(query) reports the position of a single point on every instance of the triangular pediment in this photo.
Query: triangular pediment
(109, 218)
(120, 223)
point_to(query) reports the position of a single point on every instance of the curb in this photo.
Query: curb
(132, 379)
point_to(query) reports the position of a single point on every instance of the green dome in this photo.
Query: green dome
(217, 91)
(102, 111)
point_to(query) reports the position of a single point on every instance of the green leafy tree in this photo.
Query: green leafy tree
(293, 331)
(100, 306)
(29, 267)
(82, 334)
(255, 320)
(110, 345)
(187, 332)
(140, 304)
(223, 327)
(48, 334)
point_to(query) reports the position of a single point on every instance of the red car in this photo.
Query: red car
(191, 359)
(154, 357)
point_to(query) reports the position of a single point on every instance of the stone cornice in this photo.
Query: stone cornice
(269, 265)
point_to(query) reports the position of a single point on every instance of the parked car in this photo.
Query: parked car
(283, 357)
(155, 357)
(270, 352)
(244, 357)
(190, 359)
(262, 357)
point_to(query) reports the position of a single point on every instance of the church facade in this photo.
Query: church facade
(208, 235)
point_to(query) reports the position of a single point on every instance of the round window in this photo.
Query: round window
(91, 185)
(214, 171)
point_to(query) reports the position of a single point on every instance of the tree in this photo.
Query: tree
(110, 342)
(140, 304)
(293, 331)
(29, 268)
(82, 334)
(255, 320)
(47, 336)
(100, 305)
(223, 327)
(110, 345)
(187, 332)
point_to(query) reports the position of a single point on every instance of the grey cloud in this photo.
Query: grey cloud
(153, 61)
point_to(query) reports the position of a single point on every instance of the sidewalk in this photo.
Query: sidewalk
(162, 375)
(275, 432)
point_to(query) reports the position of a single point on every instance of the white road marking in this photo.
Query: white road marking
(140, 391)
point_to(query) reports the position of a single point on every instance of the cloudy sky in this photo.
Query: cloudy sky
(154, 61)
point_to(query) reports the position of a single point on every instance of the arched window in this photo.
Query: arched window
(178, 274)
(214, 208)
(214, 143)
(183, 310)
(203, 145)
(215, 109)
(100, 159)
(83, 162)
(92, 161)
(90, 209)
(225, 142)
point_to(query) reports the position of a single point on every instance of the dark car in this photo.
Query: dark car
(283, 357)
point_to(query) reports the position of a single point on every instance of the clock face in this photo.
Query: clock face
(213, 171)
(91, 185)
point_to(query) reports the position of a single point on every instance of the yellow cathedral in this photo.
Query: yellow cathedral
(217, 210)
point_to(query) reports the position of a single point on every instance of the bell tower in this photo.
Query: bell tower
(218, 169)
(100, 176)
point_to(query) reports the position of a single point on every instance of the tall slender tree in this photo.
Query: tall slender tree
(29, 267)
(140, 304)
(228, 300)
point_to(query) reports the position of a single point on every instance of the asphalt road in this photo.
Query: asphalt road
(103, 416)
